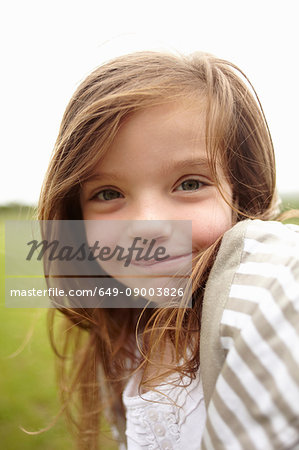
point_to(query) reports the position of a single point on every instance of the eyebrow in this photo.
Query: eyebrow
(170, 165)
(185, 163)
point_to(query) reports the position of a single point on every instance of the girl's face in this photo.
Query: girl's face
(155, 176)
(157, 169)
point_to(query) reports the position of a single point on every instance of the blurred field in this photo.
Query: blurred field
(28, 394)
(27, 384)
(290, 201)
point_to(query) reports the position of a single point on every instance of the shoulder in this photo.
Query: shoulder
(263, 250)
(254, 335)
(264, 281)
(249, 235)
(257, 266)
(268, 232)
(257, 248)
(263, 261)
(257, 260)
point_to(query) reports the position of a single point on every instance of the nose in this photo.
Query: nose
(150, 215)
(150, 229)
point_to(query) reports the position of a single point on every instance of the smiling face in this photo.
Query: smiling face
(157, 170)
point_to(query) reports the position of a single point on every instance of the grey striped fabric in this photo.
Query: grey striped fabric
(250, 339)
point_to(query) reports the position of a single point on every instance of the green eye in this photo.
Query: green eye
(108, 194)
(190, 185)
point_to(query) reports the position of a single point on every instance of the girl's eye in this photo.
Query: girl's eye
(190, 185)
(108, 194)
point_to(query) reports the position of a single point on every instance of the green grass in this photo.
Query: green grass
(28, 392)
(290, 201)
(27, 384)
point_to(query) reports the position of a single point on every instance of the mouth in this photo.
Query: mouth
(173, 260)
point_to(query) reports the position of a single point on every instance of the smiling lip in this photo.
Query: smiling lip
(153, 262)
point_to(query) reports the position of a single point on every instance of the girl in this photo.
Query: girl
(153, 136)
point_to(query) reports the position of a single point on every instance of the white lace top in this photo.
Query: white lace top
(155, 421)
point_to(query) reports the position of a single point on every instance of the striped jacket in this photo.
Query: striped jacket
(250, 339)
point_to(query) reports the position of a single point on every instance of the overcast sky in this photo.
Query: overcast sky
(48, 47)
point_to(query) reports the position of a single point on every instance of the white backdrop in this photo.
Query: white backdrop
(48, 47)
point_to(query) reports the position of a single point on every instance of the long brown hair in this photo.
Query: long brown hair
(98, 343)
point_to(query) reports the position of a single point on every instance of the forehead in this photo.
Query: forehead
(159, 140)
(182, 119)
(162, 131)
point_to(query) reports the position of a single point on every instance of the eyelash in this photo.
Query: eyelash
(96, 196)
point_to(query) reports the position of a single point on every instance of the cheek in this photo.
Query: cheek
(210, 226)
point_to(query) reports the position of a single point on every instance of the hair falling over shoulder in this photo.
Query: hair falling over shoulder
(97, 347)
